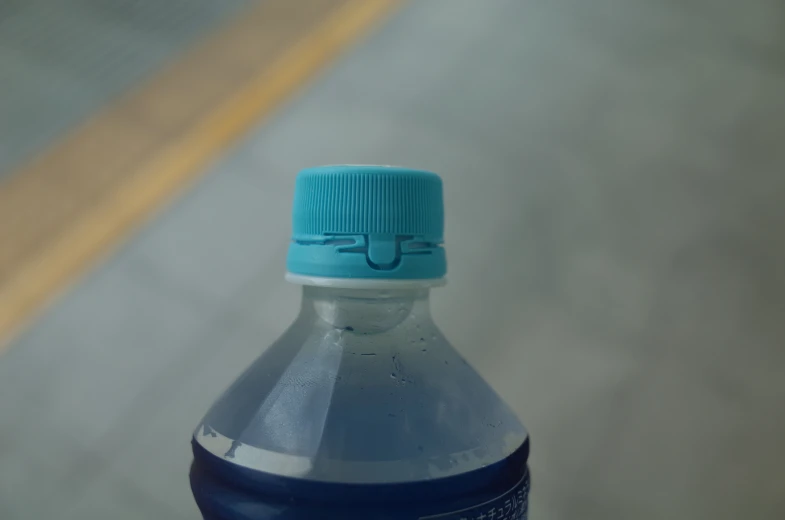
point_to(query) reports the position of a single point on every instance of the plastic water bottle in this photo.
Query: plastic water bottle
(362, 410)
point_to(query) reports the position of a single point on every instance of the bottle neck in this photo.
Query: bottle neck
(365, 311)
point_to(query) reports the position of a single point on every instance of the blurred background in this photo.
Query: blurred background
(625, 157)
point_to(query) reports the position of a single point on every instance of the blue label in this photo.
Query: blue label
(495, 492)
(512, 505)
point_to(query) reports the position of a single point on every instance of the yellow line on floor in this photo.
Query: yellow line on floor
(32, 284)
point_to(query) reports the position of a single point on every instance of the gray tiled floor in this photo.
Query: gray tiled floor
(60, 60)
(614, 197)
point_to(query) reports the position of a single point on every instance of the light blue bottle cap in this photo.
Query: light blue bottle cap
(367, 222)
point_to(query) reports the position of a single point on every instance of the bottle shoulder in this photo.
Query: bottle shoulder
(331, 403)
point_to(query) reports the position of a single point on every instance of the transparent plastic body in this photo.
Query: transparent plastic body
(361, 409)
